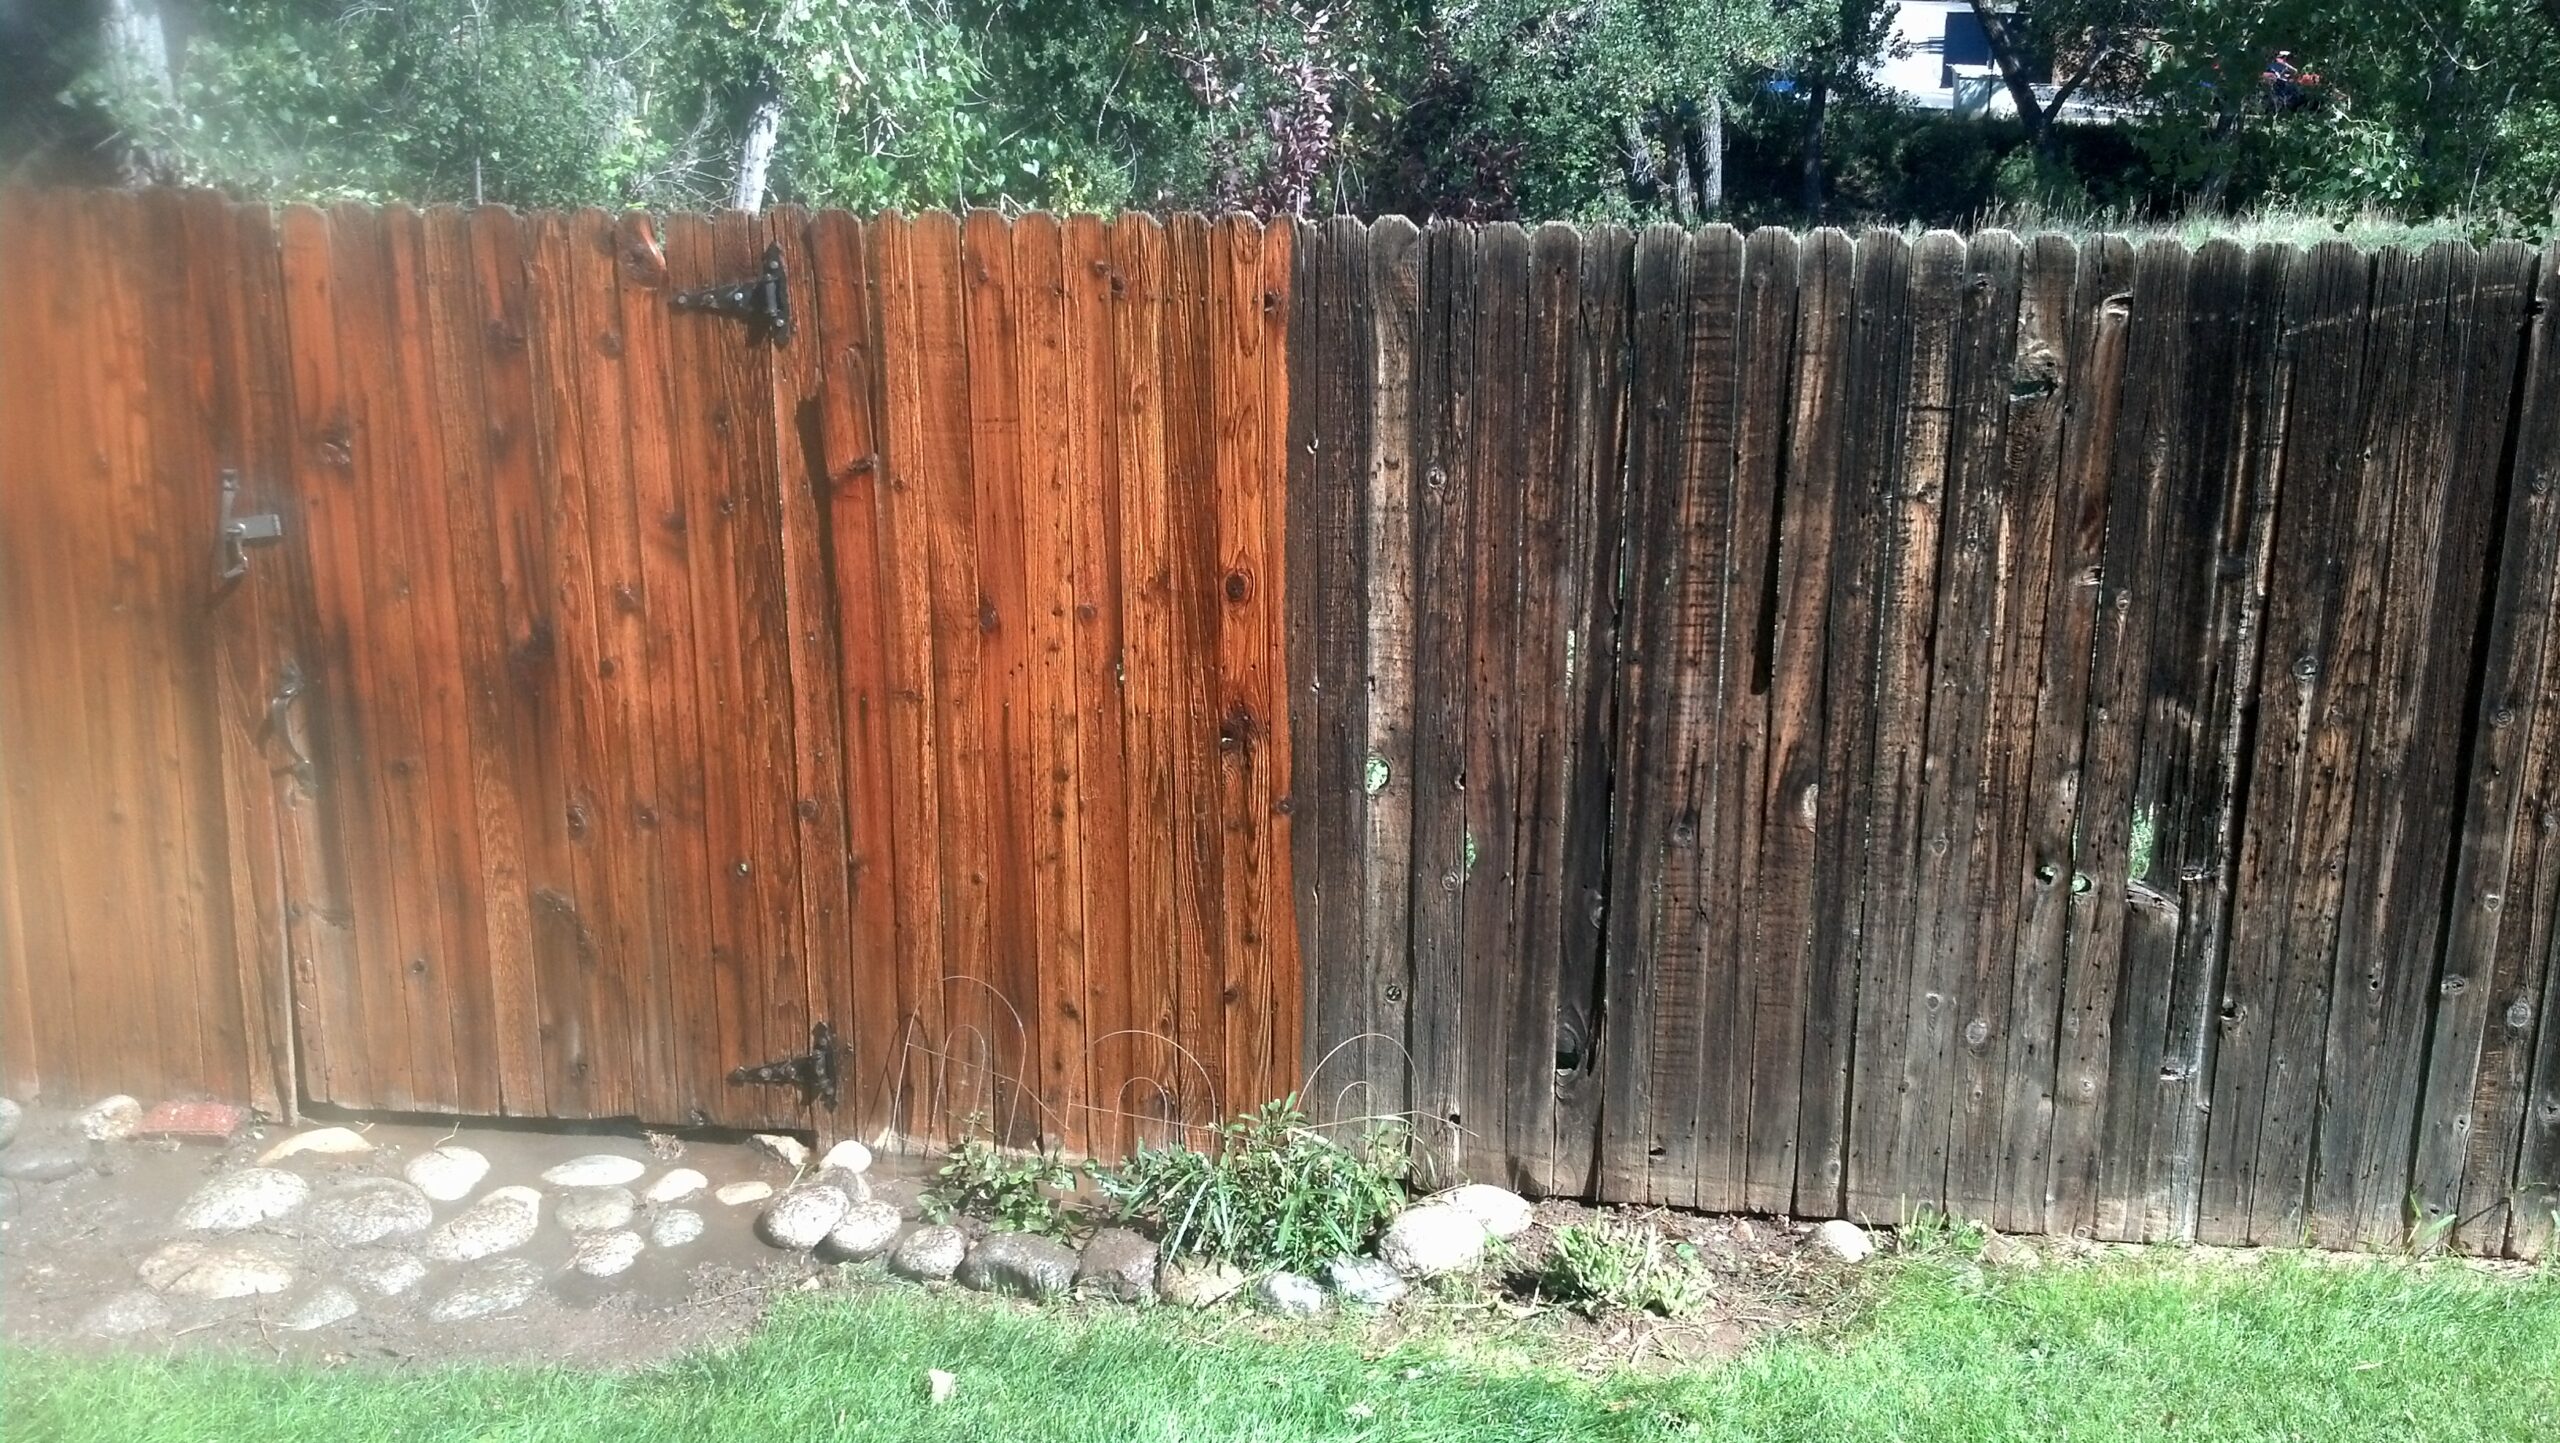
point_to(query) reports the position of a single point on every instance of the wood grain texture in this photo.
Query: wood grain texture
(2479, 1074)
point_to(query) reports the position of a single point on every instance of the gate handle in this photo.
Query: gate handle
(233, 535)
(290, 686)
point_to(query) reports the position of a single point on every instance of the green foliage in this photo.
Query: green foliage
(1274, 1193)
(1012, 1192)
(1579, 109)
(1625, 1263)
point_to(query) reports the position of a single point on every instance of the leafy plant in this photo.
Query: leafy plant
(1014, 1192)
(1274, 1193)
(1625, 1264)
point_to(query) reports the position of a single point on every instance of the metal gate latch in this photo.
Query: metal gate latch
(233, 535)
(763, 303)
(813, 1072)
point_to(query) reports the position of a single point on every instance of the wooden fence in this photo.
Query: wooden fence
(627, 695)
(2065, 733)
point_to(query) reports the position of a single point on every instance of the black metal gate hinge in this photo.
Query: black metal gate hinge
(764, 303)
(813, 1072)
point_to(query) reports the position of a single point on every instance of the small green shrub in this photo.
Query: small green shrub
(1019, 1193)
(1625, 1264)
(1274, 1193)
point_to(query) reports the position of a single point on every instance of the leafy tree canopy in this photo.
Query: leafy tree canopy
(1535, 108)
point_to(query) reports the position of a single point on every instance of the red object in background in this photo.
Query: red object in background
(213, 1122)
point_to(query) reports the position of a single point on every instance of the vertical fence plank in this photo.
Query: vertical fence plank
(273, 844)
(1897, 1157)
(1006, 710)
(2092, 380)
(2225, 509)
(1490, 760)
(1101, 801)
(1544, 668)
(1056, 863)
(1646, 1009)
(964, 1047)
(860, 986)
(1157, 957)
(1791, 797)
(2107, 994)
(1243, 585)
(1702, 841)
(1765, 999)
(1961, 863)
(1984, 1169)
(2472, 1117)
(622, 764)
(1194, 599)
(1379, 284)
(1596, 464)
(670, 811)
(1324, 518)
(910, 470)
(1861, 521)
(596, 912)
(1282, 1022)
(43, 1026)
(2275, 993)
(1444, 584)
(817, 895)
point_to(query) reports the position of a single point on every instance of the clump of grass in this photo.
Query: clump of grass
(1272, 1193)
(1012, 1192)
(1625, 1264)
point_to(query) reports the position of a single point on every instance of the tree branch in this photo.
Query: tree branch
(2004, 54)
(2101, 51)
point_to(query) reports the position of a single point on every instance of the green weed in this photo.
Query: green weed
(1013, 1192)
(1626, 1264)
(1273, 1193)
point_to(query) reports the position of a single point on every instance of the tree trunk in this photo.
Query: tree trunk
(137, 54)
(1684, 190)
(1711, 158)
(2013, 74)
(1817, 99)
(1644, 179)
(755, 153)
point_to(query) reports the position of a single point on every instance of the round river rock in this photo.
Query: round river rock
(447, 1173)
(595, 1209)
(493, 1286)
(215, 1271)
(596, 1169)
(242, 1199)
(603, 1254)
(47, 1160)
(930, 1254)
(674, 1227)
(367, 1210)
(503, 1220)
(803, 1215)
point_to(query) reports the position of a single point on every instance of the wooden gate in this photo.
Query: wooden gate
(626, 694)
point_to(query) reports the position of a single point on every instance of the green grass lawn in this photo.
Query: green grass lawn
(2158, 1347)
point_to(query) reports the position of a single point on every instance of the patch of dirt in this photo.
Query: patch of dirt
(67, 1246)
(1763, 1280)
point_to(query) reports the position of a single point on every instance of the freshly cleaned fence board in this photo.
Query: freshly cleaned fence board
(663, 691)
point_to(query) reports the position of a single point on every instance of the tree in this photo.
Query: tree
(1623, 92)
(2099, 30)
